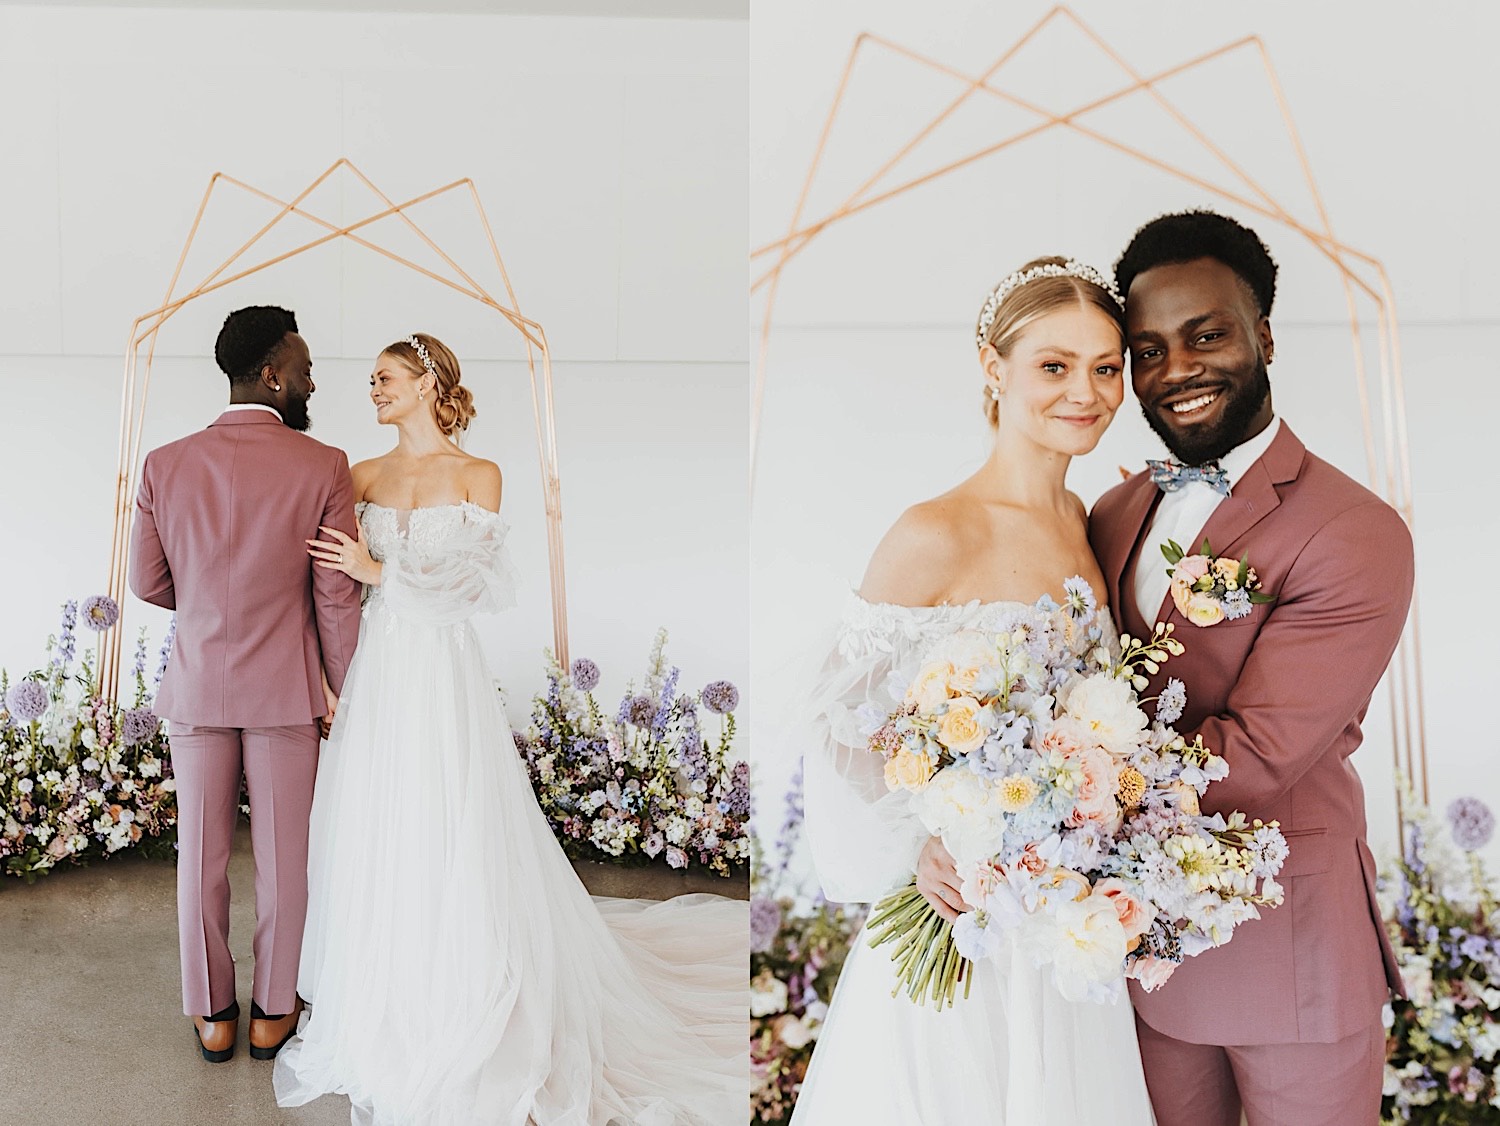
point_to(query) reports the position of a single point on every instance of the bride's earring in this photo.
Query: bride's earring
(419, 396)
(994, 393)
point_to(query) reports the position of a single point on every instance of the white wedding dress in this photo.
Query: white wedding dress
(1015, 1052)
(458, 973)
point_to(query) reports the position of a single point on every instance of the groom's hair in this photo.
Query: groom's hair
(1189, 235)
(251, 339)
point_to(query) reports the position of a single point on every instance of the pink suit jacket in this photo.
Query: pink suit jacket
(1281, 695)
(219, 525)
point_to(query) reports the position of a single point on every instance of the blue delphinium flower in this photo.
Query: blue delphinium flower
(100, 611)
(585, 675)
(1170, 703)
(720, 697)
(1471, 822)
(166, 654)
(66, 642)
(27, 700)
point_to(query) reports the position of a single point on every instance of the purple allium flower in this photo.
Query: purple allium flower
(1472, 823)
(765, 923)
(138, 725)
(100, 611)
(1170, 703)
(720, 697)
(585, 675)
(642, 711)
(27, 700)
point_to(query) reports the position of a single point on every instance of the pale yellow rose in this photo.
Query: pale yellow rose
(962, 680)
(1188, 798)
(930, 688)
(960, 730)
(1228, 570)
(907, 771)
(1204, 610)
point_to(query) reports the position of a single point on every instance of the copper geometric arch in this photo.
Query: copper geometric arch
(146, 327)
(1361, 274)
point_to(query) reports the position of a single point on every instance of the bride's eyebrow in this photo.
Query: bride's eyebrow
(1053, 350)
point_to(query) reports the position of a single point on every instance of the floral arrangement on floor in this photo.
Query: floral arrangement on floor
(1444, 923)
(643, 782)
(80, 776)
(797, 949)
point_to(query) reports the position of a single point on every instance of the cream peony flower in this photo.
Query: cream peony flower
(1105, 707)
(960, 807)
(1084, 942)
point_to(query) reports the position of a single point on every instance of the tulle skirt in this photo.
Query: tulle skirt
(456, 969)
(1015, 1053)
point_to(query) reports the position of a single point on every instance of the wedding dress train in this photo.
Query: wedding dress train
(1015, 1052)
(457, 970)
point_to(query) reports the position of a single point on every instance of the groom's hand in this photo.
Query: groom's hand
(937, 880)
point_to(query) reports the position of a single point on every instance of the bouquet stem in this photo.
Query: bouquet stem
(928, 964)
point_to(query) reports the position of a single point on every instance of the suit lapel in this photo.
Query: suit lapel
(1121, 540)
(1255, 497)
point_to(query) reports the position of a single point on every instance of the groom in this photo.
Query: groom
(1284, 1022)
(220, 523)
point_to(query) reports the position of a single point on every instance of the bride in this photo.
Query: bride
(1015, 1053)
(456, 969)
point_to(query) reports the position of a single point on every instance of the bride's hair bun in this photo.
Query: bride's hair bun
(1036, 298)
(454, 406)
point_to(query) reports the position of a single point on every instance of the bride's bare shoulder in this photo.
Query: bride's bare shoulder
(482, 482)
(917, 558)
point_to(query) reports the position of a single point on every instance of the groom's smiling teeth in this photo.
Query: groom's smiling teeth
(1190, 406)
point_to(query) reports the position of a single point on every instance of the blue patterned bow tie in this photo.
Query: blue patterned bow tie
(1169, 476)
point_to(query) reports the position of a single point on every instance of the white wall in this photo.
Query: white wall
(610, 156)
(873, 397)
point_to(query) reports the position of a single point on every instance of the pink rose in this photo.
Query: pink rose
(1135, 917)
(1191, 568)
(1150, 971)
(1095, 795)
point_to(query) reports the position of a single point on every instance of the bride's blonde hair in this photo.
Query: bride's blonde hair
(454, 406)
(1036, 298)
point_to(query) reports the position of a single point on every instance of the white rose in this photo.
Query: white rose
(793, 1032)
(768, 995)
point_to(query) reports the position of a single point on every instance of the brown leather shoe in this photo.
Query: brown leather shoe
(269, 1033)
(216, 1034)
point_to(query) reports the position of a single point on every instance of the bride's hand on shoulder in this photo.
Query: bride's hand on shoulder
(341, 552)
(937, 880)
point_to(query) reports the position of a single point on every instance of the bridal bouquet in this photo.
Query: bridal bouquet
(1073, 819)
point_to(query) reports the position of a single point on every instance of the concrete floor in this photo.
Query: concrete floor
(91, 1024)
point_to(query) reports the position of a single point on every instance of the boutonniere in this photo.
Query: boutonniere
(1207, 589)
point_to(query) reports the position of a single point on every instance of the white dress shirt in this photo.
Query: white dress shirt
(1182, 516)
(253, 407)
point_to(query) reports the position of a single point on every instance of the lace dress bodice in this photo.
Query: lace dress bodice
(441, 564)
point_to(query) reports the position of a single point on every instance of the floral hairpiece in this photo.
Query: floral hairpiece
(423, 355)
(1072, 268)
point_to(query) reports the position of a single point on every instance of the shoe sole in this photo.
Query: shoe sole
(214, 1057)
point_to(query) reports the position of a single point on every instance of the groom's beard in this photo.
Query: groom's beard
(1207, 443)
(297, 417)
